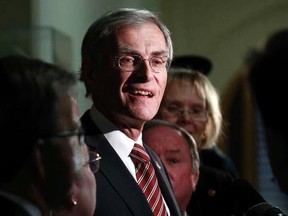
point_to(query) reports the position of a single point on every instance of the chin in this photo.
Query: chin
(144, 114)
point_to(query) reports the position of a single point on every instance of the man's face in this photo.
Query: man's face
(84, 189)
(65, 159)
(174, 152)
(59, 152)
(136, 95)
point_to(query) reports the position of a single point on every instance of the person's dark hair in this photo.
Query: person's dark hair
(194, 63)
(103, 30)
(30, 90)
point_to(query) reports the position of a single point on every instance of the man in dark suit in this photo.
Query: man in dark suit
(125, 57)
(211, 195)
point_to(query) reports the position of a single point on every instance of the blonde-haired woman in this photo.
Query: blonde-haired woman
(191, 101)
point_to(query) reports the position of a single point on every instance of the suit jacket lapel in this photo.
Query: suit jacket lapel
(113, 169)
(164, 182)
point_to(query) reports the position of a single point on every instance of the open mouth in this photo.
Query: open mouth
(141, 92)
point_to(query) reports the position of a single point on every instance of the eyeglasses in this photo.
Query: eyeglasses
(196, 113)
(94, 161)
(94, 158)
(69, 133)
(131, 63)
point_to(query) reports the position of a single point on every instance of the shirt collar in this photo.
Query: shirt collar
(121, 143)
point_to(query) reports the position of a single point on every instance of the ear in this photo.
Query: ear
(73, 196)
(195, 178)
(70, 202)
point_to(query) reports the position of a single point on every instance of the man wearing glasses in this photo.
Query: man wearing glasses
(125, 57)
(44, 162)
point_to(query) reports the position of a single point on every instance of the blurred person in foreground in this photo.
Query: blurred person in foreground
(254, 107)
(44, 163)
(266, 82)
(125, 57)
(178, 151)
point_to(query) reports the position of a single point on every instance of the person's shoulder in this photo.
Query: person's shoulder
(212, 181)
(215, 158)
(211, 174)
(212, 195)
(213, 154)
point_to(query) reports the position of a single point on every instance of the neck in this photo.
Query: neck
(130, 126)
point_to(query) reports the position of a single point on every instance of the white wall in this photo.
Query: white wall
(222, 30)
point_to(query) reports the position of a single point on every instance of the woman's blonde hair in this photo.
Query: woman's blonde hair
(208, 92)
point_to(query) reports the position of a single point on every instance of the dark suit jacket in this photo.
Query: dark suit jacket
(117, 191)
(213, 194)
(215, 158)
(10, 208)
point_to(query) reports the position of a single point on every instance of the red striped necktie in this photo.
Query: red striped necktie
(147, 180)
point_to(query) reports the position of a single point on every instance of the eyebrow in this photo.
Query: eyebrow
(134, 52)
(174, 150)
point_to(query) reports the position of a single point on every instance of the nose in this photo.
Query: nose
(185, 116)
(146, 63)
(145, 71)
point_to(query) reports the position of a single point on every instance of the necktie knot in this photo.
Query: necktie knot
(139, 154)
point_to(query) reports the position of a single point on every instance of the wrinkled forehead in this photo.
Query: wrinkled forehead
(169, 136)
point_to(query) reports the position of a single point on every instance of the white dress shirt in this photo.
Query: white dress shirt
(119, 141)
